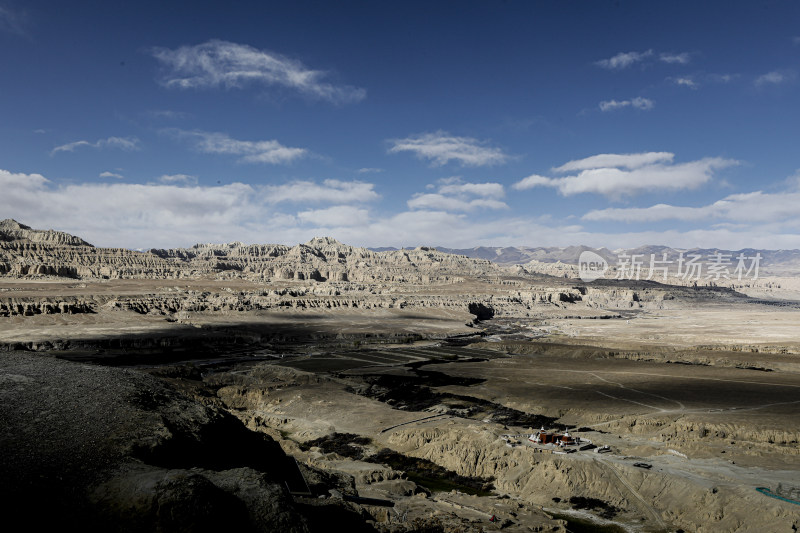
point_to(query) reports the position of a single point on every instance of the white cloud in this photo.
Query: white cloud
(178, 178)
(776, 77)
(722, 78)
(644, 104)
(441, 148)
(770, 78)
(271, 152)
(166, 215)
(455, 195)
(611, 105)
(329, 191)
(616, 160)
(369, 170)
(108, 174)
(449, 203)
(335, 216)
(230, 65)
(70, 147)
(18, 180)
(685, 82)
(436, 227)
(796, 40)
(124, 214)
(646, 214)
(433, 227)
(123, 143)
(534, 180)
(681, 59)
(155, 215)
(624, 60)
(748, 207)
(645, 172)
(487, 190)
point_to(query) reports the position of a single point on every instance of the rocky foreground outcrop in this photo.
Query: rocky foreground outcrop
(103, 449)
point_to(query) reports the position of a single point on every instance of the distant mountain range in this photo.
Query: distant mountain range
(772, 262)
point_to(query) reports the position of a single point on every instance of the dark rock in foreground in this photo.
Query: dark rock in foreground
(118, 450)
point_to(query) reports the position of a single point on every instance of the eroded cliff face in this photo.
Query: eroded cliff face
(31, 253)
(45, 306)
(481, 300)
(11, 230)
(25, 252)
(321, 274)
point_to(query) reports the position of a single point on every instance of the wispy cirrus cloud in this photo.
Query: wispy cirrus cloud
(685, 81)
(108, 174)
(641, 103)
(776, 77)
(230, 65)
(629, 161)
(270, 152)
(747, 207)
(441, 148)
(123, 143)
(679, 59)
(624, 60)
(329, 191)
(695, 81)
(722, 78)
(174, 179)
(485, 190)
(618, 175)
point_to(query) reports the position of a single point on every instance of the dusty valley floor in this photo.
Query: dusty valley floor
(190, 398)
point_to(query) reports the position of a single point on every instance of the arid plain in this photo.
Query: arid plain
(280, 387)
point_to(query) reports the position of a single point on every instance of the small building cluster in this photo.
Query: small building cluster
(558, 439)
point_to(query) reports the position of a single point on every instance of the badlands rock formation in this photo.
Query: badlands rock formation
(25, 252)
(31, 253)
(320, 274)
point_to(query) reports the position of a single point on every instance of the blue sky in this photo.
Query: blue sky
(618, 124)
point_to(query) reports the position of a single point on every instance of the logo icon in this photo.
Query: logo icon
(591, 266)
